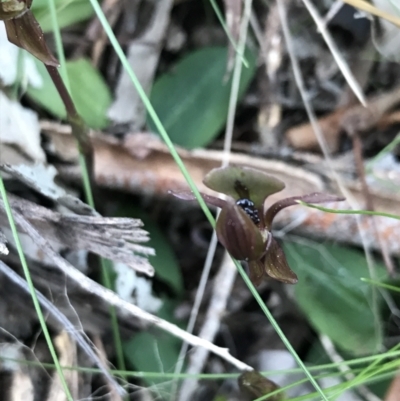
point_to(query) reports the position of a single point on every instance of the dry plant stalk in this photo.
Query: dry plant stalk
(125, 308)
(3, 242)
(222, 287)
(64, 322)
(349, 119)
(141, 163)
(112, 238)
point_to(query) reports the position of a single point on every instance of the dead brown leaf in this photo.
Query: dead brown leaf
(142, 164)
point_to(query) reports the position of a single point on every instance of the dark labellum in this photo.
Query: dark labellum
(248, 206)
(244, 225)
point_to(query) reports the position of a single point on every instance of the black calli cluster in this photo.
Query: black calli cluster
(244, 226)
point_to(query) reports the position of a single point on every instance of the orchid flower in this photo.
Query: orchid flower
(244, 226)
(24, 31)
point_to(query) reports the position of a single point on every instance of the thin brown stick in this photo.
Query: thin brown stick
(112, 299)
(65, 322)
(369, 202)
(222, 288)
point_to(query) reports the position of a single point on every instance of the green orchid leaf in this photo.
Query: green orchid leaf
(155, 351)
(333, 297)
(89, 91)
(69, 12)
(165, 263)
(192, 99)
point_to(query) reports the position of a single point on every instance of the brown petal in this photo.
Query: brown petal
(238, 234)
(189, 196)
(276, 265)
(316, 197)
(254, 385)
(25, 32)
(243, 182)
(256, 272)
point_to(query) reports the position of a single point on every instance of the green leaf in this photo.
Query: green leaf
(68, 12)
(333, 297)
(192, 99)
(155, 352)
(90, 93)
(149, 352)
(164, 262)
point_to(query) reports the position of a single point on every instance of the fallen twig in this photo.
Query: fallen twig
(113, 238)
(112, 299)
(141, 163)
(348, 119)
(222, 288)
(61, 319)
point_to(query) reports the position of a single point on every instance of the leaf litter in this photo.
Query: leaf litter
(134, 173)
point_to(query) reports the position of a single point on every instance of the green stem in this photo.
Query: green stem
(279, 331)
(31, 286)
(150, 109)
(86, 159)
(338, 211)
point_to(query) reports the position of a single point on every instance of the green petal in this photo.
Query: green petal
(243, 182)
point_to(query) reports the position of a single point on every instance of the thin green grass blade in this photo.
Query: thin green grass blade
(192, 185)
(388, 148)
(86, 185)
(337, 211)
(28, 279)
(226, 30)
(58, 43)
(379, 284)
(223, 376)
(150, 109)
(106, 279)
(362, 379)
(365, 373)
(278, 330)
